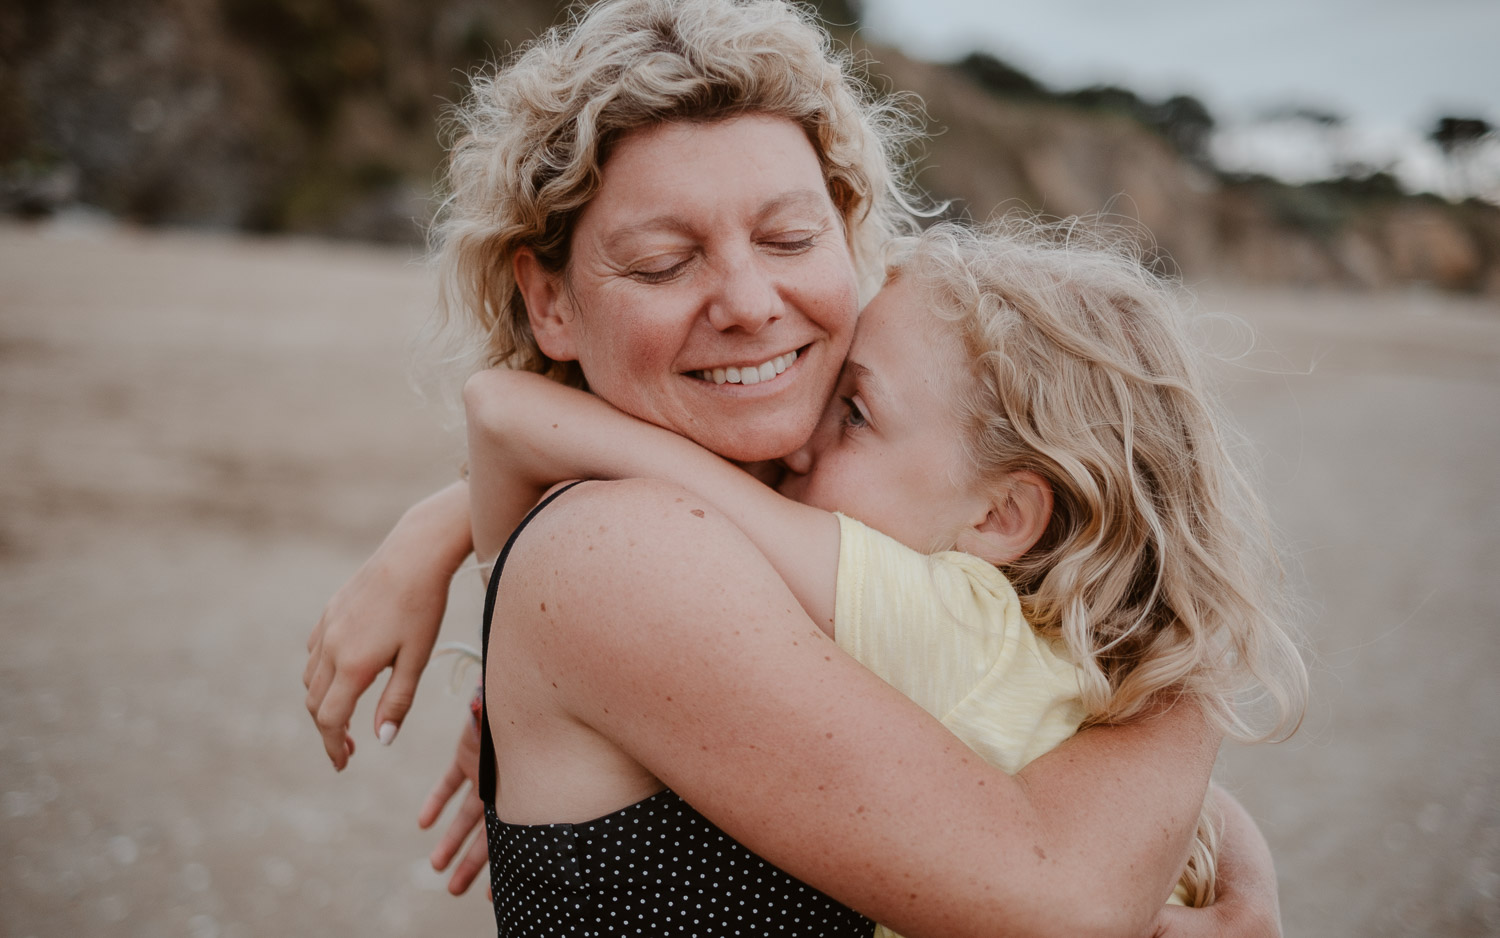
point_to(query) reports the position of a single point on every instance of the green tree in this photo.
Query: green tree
(1461, 139)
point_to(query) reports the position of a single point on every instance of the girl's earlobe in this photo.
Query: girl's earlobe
(1015, 519)
(546, 307)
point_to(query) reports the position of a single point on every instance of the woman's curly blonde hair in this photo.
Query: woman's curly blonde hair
(533, 137)
(1157, 570)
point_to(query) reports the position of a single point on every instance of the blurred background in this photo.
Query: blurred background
(1347, 143)
(211, 216)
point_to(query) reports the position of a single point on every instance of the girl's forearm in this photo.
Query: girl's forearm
(438, 527)
(535, 432)
(1247, 903)
(527, 433)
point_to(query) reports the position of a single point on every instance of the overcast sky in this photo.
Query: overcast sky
(1376, 61)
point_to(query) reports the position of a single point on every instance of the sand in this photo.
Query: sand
(201, 436)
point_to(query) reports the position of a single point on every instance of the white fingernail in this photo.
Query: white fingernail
(387, 733)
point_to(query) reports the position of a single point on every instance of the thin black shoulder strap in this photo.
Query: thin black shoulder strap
(486, 744)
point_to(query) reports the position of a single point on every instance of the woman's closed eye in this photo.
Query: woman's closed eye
(654, 273)
(791, 244)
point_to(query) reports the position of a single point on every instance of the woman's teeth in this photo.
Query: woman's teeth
(751, 374)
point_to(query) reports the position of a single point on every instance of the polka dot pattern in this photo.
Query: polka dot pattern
(657, 867)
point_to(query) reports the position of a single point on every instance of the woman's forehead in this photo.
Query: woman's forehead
(748, 166)
(798, 202)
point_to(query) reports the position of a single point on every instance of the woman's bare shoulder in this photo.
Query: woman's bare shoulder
(636, 547)
(593, 514)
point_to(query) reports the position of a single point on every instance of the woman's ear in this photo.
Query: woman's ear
(1014, 519)
(547, 308)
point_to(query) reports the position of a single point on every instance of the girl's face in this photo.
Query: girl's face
(709, 288)
(887, 450)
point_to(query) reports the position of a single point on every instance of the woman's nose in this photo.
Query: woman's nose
(747, 299)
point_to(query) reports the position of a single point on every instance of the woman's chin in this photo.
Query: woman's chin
(758, 427)
(763, 437)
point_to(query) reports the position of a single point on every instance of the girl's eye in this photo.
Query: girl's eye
(854, 418)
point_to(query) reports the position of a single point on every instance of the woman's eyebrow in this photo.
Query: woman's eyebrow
(797, 199)
(660, 224)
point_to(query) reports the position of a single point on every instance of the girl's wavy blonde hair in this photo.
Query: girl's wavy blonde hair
(534, 135)
(1157, 570)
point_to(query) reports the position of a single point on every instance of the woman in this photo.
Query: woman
(663, 190)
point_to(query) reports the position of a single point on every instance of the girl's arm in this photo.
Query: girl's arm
(386, 616)
(529, 433)
(1245, 904)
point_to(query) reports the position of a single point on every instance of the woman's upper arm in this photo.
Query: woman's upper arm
(1128, 797)
(666, 631)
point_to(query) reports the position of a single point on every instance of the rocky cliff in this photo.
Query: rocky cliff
(322, 116)
(996, 149)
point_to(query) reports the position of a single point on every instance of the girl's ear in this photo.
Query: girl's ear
(1014, 521)
(547, 307)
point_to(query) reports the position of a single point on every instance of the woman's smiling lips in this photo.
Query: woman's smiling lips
(748, 374)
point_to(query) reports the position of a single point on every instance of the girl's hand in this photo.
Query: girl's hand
(1246, 905)
(387, 615)
(470, 815)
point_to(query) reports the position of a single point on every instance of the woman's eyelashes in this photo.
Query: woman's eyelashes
(653, 271)
(790, 244)
(657, 274)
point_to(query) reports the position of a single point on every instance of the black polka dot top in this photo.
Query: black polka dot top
(657, 867)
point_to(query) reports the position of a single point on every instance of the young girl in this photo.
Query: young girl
(1021, 434)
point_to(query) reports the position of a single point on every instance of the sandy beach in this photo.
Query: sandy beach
(201, 436)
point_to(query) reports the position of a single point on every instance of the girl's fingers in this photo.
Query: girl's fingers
(475, 859)
(317, 689)
(399, 693)
(441, 794)
(315, 637)
(337, 706)
(470, 815)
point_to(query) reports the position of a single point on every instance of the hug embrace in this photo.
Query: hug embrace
(931, 615)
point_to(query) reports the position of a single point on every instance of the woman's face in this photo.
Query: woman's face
(709, 288)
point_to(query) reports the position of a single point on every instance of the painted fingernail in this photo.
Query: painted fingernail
(387, 732)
